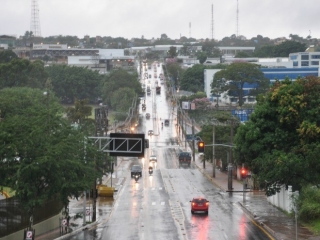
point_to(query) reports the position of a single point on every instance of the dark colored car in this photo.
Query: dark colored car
(184, 158)
(136, 170)
(166, 122)
(199, 204)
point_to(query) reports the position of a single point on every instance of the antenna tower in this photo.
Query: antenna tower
(237, 18)
(212, 22)
(35, 19)
(189, 29)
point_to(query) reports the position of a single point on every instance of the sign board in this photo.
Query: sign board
(87, 212)
(124, 144)
(29, 235)
(191, 137)
(186, 105)
(242, 114)
(64, 222)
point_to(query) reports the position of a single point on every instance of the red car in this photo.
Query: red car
(199, 204)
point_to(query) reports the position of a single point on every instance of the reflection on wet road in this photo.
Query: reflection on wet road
(158, 205)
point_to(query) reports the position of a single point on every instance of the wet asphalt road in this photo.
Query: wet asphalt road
(157, 206)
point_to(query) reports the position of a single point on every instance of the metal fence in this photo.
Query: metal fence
(13, 219)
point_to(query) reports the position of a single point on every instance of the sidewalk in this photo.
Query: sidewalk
(278, 224)
(76, 224)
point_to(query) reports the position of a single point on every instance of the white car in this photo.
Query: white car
(153, 158)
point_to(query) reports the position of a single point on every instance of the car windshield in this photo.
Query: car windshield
(153, 156)
(199, 200)
(136, 167)
(184, 154)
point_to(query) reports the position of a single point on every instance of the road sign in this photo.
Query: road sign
(29, 235)
(123, 144)
(64, 222)
(242, 114)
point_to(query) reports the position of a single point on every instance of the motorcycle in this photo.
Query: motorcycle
(136, 177)
(150, 170)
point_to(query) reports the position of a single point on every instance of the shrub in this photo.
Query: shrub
(309, 204)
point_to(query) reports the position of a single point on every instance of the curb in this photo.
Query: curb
(83, 228)
(261, 224)
(209, 177)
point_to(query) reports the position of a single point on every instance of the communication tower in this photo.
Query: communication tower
(212, 23)
(189, 29)
(237, 18)
(35, 19)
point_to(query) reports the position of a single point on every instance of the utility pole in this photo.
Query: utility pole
(213, 152)
(193, 148)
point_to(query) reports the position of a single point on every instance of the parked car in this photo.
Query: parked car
(199, 204)
(150, 132)
(147, 115)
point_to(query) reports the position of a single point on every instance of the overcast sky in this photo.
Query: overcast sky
(151, 18)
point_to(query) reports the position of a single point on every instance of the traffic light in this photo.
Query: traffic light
(201, 146)
(243, 173)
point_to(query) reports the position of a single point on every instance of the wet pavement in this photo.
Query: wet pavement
(255, 205)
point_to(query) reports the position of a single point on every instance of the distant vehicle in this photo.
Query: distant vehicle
(148, 90)
(199, 204)
(136, 170)
(150, 132)
(149, 75)
(184, 158)
(153, 158)
(166, 122)
(144, 107)
(147, 115)
(158, 90)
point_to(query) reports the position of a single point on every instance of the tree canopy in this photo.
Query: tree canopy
(280, 142)
(114, 82)
(22, 73)
(235, 76)
(42, 157)
(70, 83)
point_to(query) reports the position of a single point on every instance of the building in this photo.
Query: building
(305, 59)
(272, 74)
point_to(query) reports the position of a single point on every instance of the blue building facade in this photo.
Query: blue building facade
(292, 73)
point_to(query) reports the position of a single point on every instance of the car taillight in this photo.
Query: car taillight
(193, 204)
(207, 204)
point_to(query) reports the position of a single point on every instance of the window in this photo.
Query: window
(293, 57)
(315, 63)
(315, 56)
(304, 63)
(295, 64)
(304, 57)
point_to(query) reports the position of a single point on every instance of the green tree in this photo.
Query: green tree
(80, 112)
(233, 78)
(121, 99)
(264, 51)
(172, 52)
(22, 73)
(42, 156)
(202, 57)
(7, 56)
(71, 83)
(287, 47)
(280, 142)
(192, 78)
(116, 80)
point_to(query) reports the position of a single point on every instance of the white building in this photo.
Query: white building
(305, 59)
